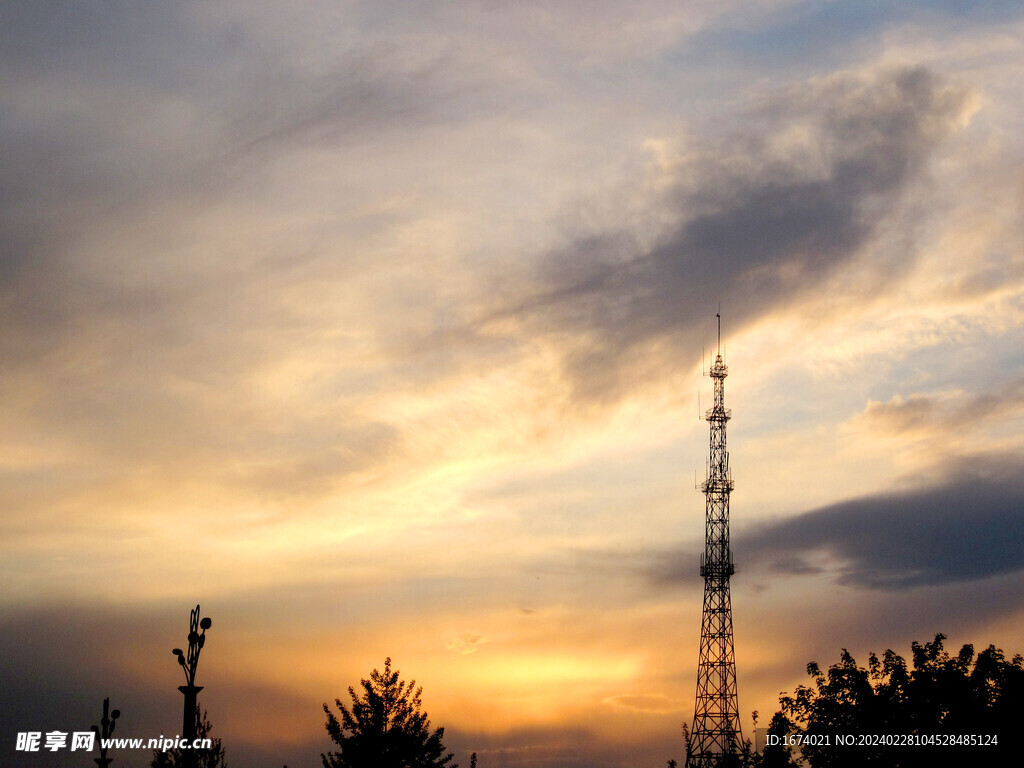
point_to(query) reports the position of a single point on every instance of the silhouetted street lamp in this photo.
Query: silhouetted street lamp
(196, 641)
(103, 731)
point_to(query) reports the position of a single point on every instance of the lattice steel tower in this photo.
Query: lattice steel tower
(716, 720)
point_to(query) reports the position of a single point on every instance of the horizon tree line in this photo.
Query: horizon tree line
(949, 710)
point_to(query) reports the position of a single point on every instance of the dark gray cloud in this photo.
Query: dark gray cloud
(757, 224)
(60, 663)
(964, 522)
(968, 526)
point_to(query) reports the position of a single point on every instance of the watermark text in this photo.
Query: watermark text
(85, 741)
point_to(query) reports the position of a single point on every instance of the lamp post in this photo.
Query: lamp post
(103, 731)
(196, 641)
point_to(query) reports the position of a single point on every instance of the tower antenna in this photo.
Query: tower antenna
(716, 722)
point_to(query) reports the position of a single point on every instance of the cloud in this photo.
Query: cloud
(762, 215)
(465, 644)
(942, 412)
(62, 663)
(961, 522)
(647, 703)
(967, 527)
(166, 302)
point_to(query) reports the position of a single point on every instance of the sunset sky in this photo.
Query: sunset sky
(376, 328)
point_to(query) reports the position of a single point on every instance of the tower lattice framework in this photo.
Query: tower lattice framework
(716, 723)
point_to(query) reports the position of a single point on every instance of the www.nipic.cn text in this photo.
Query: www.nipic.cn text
(85, 741)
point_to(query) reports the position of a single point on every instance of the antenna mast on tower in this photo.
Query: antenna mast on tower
(716, 722)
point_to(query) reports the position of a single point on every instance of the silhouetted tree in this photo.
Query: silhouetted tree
(744, 757)
(205, 758)
(385, 727)
(777, 755)
(942, 696)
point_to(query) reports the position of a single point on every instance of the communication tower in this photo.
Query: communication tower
(716, 721)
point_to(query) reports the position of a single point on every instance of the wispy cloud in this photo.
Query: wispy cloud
(762, 216)
(943, 413)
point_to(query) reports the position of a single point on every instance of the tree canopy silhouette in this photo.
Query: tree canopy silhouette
(385, 727)
(206, 758)
(952, 707)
